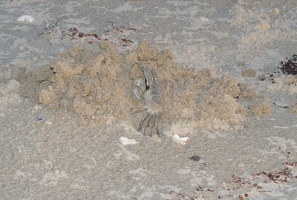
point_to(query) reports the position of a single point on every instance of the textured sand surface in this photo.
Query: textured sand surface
(66, 100)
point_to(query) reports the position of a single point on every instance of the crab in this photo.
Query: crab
(149, 90)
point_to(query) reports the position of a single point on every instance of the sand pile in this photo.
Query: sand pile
(89, 83)
(98, 84)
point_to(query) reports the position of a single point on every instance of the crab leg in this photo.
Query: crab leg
(141, 123)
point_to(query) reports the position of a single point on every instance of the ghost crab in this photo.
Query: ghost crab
(149, 90)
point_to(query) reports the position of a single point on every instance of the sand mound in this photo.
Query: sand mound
(98, 84)
(91, 84)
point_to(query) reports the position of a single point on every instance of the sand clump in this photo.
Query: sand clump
(249, 73)
(9, 93)
(293, 108)
(98, 84)
(91, 84)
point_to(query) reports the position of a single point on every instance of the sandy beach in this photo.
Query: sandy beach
(227, 74)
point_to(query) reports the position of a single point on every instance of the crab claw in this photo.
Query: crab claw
(139, 88)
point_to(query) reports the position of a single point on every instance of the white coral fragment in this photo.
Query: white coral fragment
(180, 140)
(26, 18)
(126, 141)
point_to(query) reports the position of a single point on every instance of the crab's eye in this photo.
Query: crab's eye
(147, 87)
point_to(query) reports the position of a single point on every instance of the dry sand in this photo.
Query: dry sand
(66, 99)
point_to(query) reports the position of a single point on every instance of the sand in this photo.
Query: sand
(66, 97)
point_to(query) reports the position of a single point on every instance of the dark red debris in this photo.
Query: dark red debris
(80, 35)
(290, 66)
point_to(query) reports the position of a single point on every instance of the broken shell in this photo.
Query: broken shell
(126, 141)
(26, 18)
(180, 140)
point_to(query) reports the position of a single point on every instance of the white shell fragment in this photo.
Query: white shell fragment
(180, 140)
(126, 141)
(26, 18)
